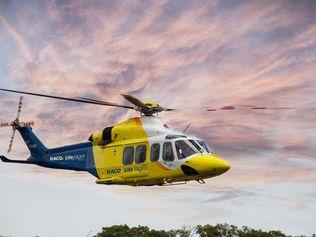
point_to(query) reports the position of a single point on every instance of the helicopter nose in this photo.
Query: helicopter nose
(223, 166)
(209, 165)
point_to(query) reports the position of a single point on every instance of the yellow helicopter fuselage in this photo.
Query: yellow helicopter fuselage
(144, 151)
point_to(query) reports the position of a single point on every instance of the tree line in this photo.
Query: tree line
(219, 230)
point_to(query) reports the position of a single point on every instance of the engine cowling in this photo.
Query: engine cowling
(102, 138)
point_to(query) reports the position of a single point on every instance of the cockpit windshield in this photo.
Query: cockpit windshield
(196, 145)
(204, 146)
(184, 149)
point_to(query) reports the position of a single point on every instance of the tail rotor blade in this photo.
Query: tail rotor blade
(27, 124)
(19, 108)
(16, 124)
(7, 124)
(11, 140)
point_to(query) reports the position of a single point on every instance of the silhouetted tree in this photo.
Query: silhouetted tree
(183, 232)
(125, 231)
(225, 230)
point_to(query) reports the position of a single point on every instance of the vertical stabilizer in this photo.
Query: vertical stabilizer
(33, 143)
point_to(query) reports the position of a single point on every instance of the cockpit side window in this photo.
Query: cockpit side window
(203, 144)
(183, 149)
(128, 155)
(197, 146)
(154, 152)
(168, 152)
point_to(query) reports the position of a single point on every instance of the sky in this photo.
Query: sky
(182, 54)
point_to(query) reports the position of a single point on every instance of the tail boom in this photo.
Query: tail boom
(78, 157)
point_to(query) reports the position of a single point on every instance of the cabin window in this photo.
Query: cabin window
(183, 149)
(154, 152)
(168, 152)
(140, 154)
(128, 155)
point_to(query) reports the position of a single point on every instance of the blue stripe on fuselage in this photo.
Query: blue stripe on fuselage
(74, 157)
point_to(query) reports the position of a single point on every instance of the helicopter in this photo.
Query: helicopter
(141, 151)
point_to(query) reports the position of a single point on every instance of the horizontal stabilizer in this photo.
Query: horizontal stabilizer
(5, 159)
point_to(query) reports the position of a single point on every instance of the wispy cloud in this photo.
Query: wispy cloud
(25, 50)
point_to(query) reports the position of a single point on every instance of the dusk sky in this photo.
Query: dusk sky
(182, 54)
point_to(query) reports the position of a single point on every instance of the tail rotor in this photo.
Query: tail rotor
(16, 124)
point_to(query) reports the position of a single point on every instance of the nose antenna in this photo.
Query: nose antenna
(186, 128)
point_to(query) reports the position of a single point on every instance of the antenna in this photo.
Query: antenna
(15, 124)
(186, 128)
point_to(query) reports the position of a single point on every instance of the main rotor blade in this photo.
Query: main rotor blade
(135, 101)
(263, 107)
(103, 102)
(251, 107)
(19, 108)
(87, 101)
(11, 140)
(166, 109)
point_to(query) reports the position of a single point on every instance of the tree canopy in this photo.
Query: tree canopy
(219, 230)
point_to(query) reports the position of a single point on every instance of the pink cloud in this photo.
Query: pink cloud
(202, 57)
